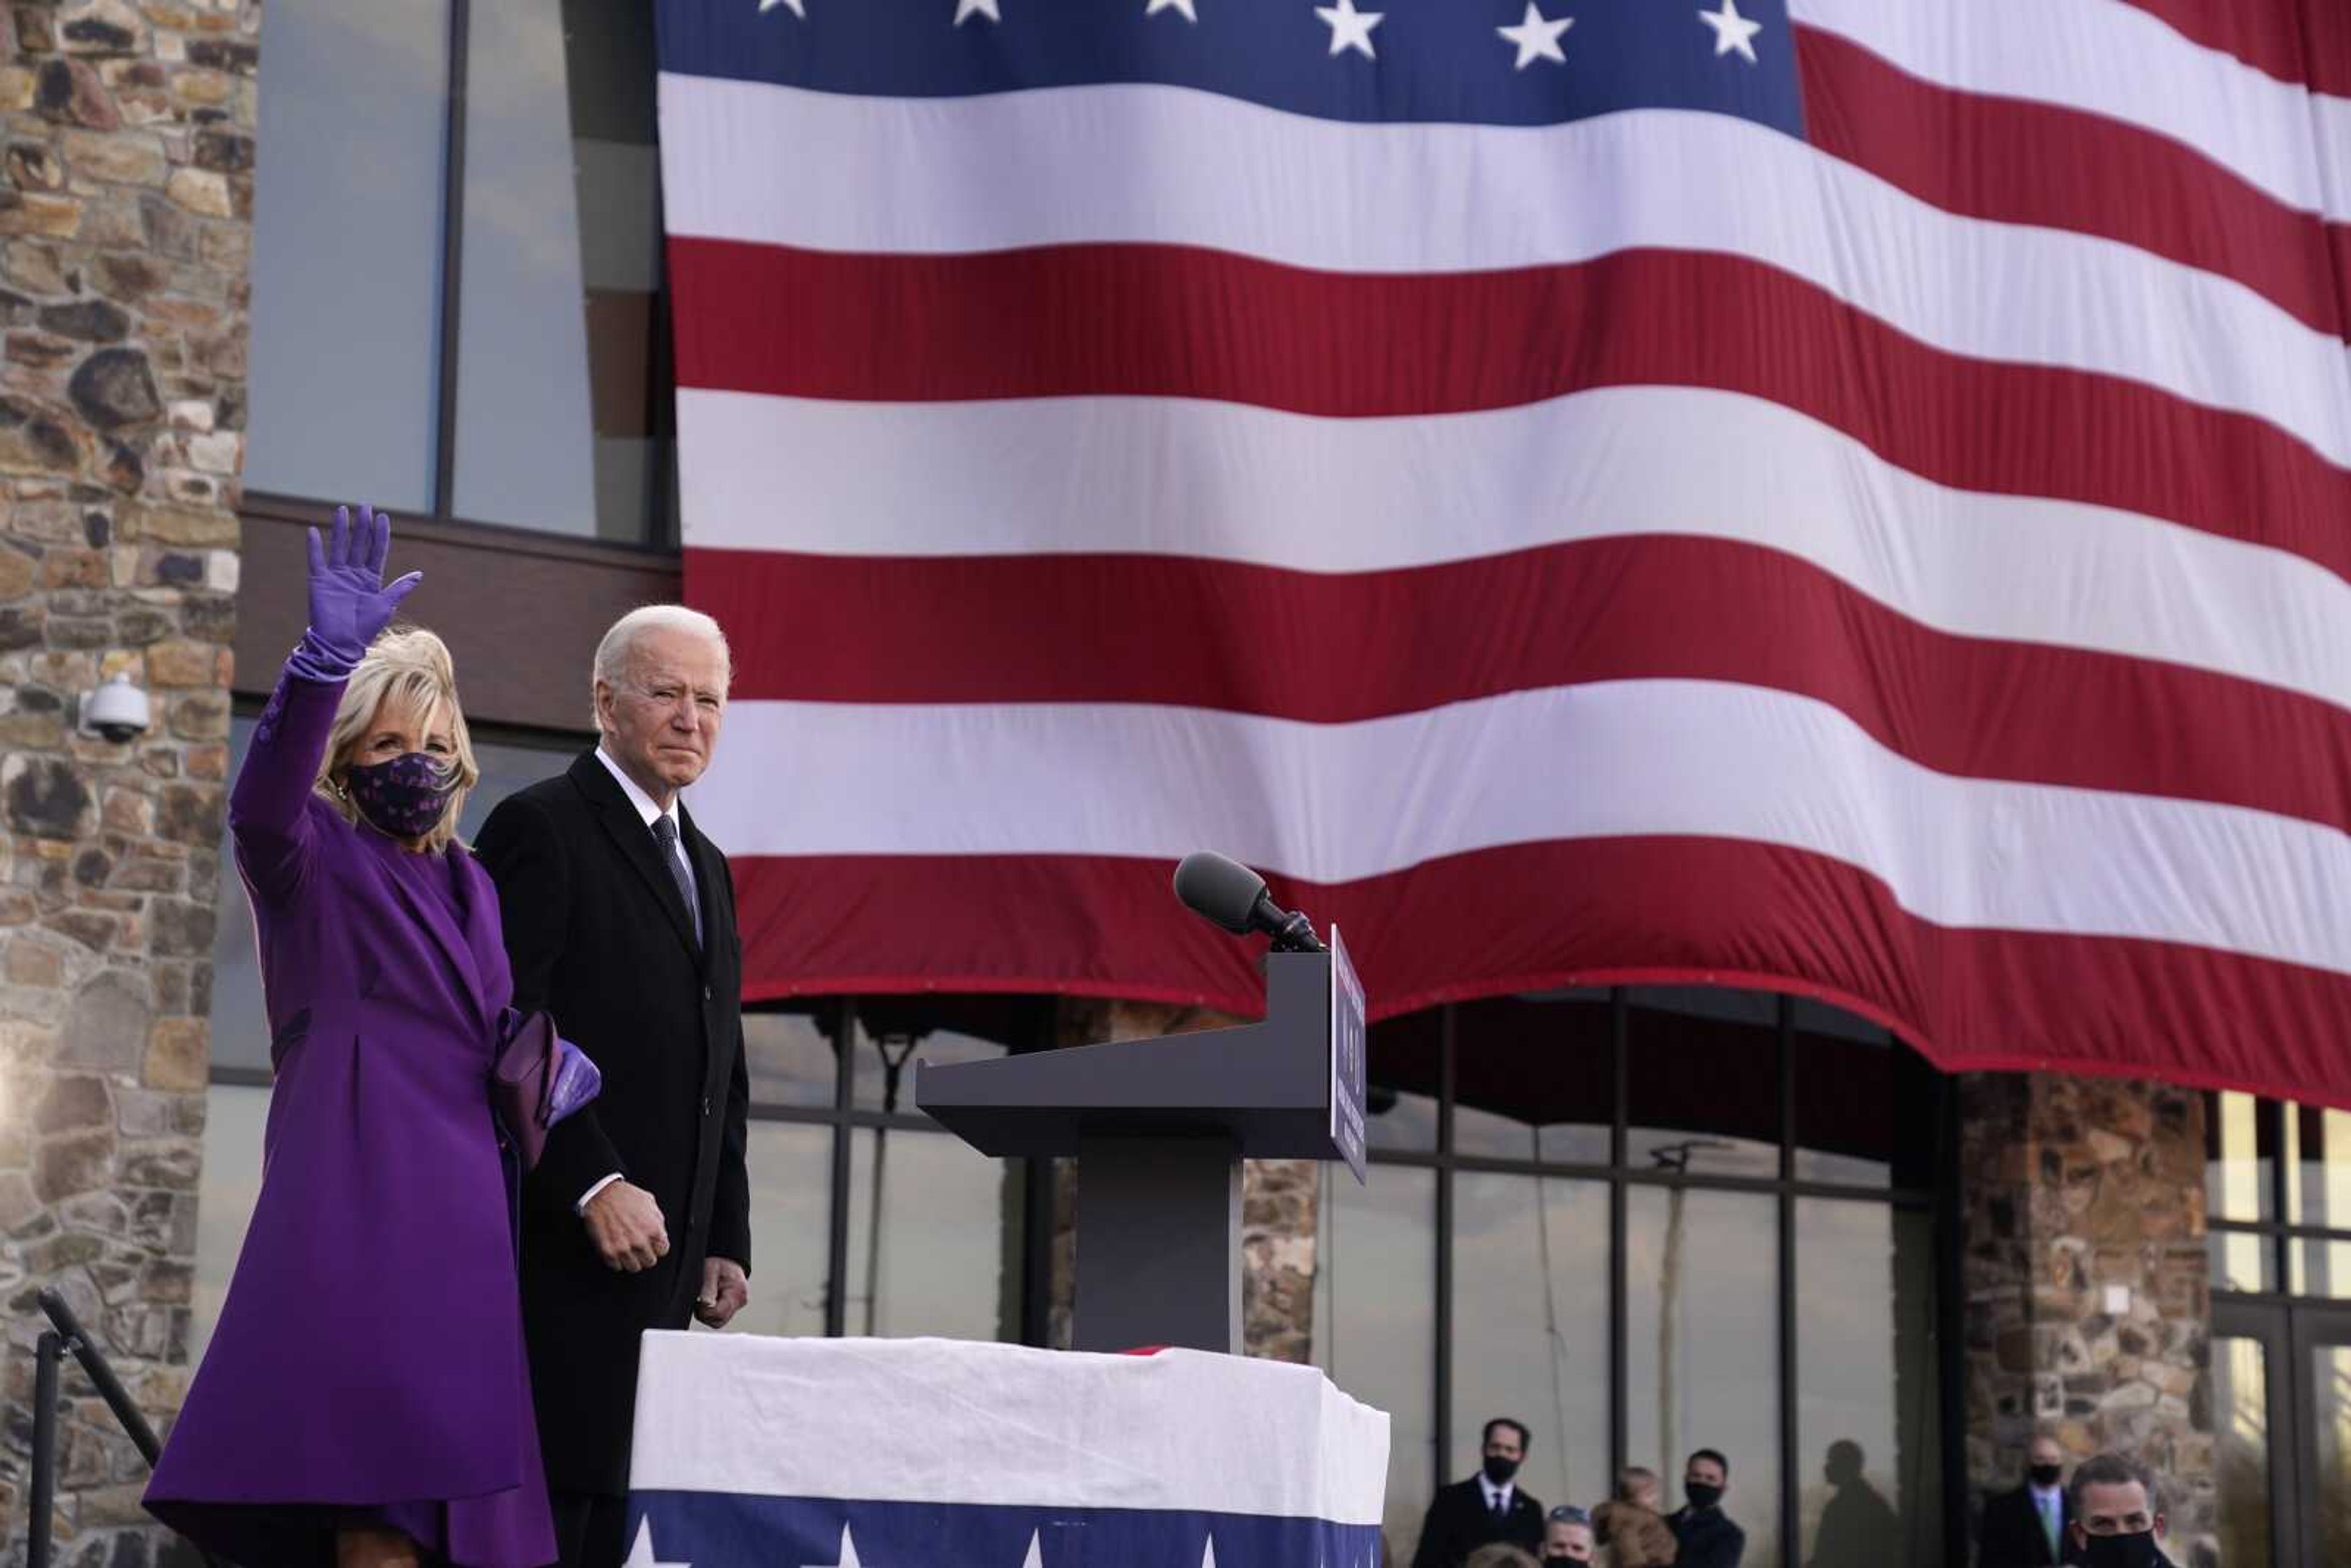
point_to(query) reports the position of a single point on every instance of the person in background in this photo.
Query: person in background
(364, 1401)
(2117, 1514)
(1630, 1524)
(1500, 1555)
(1487, 1508)
(1567, 1536)
(2028, 1527)
(620, 920)
(1704, 1533)
(1858, 1528)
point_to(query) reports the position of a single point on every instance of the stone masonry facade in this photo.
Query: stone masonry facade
(2088, 1303)
(126, 202)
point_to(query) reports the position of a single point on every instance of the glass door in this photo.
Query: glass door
(2322, 1360)
(2253, 1446)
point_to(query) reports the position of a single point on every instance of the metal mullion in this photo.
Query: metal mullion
(452, 255)
(1620, 1397)
(2272, 1113)
(1441, 1423)
(836, 1273)
(1791, 1506)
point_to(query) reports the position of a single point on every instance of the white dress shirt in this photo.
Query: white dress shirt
(1497, 1496)
(652, 814)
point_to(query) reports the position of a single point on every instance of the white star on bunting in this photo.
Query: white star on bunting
(1537, 38)
(1350, 28)
(1181, 7)
(1035, 1558)
(798, 7)
(1732, 31)
(848, 1553)
(967, 9)
(641, 1554)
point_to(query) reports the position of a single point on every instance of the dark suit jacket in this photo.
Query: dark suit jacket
(1708, 1539)
(598, 936)
(1458, 1524)
(2012, 1537)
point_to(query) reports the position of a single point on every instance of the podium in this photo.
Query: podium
(1159, 1128)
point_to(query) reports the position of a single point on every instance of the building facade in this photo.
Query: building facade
(243, 280)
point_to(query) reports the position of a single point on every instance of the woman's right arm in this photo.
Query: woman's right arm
(268, 814)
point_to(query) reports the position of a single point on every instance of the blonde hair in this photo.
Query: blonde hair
(1500, 1554)
(616, 656)
(1632, 1480)
(408, 669)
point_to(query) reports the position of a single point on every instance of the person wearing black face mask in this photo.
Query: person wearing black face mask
(2030, 1527)
(2117, 1515)
(1707, 1537)
(1567, 1538)
(1489, 1506)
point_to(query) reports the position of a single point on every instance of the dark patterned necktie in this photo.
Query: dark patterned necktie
(665, 835)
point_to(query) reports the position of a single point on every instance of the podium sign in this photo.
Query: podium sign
(1348, 1047)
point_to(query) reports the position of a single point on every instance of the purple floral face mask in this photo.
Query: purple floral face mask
(404, 797)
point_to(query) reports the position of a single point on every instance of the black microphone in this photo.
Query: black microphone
(1229, 894)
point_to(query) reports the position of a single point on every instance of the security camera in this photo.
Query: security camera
(117, 711)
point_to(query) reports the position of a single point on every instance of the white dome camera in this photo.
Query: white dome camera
(117, 711)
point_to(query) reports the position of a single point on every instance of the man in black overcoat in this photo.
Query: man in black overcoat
(620, 920)
(1489, 1506)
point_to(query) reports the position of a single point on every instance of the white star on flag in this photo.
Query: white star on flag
(1350, 28)
(1182, 7)
(1538, 39)
(798, 7)
(641, 1554)
(1732, 31)
(1209, 1557)
(1035, 1558)
(848, 1558)
(966, 9)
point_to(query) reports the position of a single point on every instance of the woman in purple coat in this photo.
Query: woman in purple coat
(365, 1401)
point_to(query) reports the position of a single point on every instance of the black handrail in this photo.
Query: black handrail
(66, 1334)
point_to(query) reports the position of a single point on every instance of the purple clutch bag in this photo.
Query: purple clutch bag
(540, 1079)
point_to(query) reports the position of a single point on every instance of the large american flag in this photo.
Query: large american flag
(1851, 497)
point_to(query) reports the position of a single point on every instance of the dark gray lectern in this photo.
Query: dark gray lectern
(1160, 1127)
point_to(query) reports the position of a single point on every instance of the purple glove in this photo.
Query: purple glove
(350, 601)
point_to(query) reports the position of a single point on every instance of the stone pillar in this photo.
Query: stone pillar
(1277, 1201)
(2088, 1307)
(126, 195)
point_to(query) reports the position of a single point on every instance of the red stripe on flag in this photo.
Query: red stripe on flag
(1335, 648)
(1586, 912)
(2303, 41)
(1174, 321)
(2063, 168)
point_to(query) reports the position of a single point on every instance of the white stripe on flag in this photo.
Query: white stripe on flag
(1266, 488)
(1334, 804)
(2119, 60)
(1164, 165)
(950, 1421)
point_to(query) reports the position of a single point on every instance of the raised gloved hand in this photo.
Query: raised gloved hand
(350, 601)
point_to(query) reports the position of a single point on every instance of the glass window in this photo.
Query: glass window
(945, 1259)
(2330, 1427)
(1703, 1080)
(619, 178)
(1535, 1078)
(347, 251)
(2240, 1458)
(1375, 1323)
(2239, 1146)
(226, 1195)
(1702, 1349)
(2243, 1260)
(1530, 1326)
(790, 1057)
(790, 1165)
(1867, 1107)
(524, 443)
(1868, 1420)
(2320, 1194)
(1401, 1076)
(891, 1035)
(240, 1026)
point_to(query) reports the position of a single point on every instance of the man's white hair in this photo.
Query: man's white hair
(616, 656)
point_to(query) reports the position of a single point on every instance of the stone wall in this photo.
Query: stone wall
(2088, 1306)
(1277, 1201)
(126, 195)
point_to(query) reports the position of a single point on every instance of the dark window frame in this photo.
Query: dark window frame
(2279, 1237)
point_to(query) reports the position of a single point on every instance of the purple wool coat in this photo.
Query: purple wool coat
(368, 1368)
